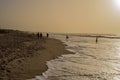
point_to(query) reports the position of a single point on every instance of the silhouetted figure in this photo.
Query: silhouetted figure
(47, 35)
(96, 39)
(38, 35)
(41, 35)
(67, 37)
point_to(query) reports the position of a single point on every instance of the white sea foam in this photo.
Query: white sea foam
(91, 61)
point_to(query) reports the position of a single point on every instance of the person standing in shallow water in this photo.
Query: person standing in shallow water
(96, 40)
(67, 37)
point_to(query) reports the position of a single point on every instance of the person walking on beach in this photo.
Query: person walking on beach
(38, 35)
(41, 35)
(47, 35)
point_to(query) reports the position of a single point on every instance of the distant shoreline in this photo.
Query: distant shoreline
(23, 56)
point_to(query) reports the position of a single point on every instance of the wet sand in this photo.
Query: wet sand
(28, 56)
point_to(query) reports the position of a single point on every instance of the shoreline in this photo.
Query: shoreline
(54, 49)
(29, 58)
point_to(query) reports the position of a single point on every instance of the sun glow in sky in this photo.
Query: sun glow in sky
(72, 16)
(117, 3)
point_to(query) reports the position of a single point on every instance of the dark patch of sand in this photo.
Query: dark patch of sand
(23, 56)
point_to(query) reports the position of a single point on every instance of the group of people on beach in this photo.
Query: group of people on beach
(40, 35)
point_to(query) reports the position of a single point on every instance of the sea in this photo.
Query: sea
(91, 60)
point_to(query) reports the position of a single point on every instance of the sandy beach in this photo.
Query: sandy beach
(23, 56)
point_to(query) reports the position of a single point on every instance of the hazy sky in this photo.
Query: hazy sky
(74, 16)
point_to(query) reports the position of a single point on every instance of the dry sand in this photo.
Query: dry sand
(29, 58)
